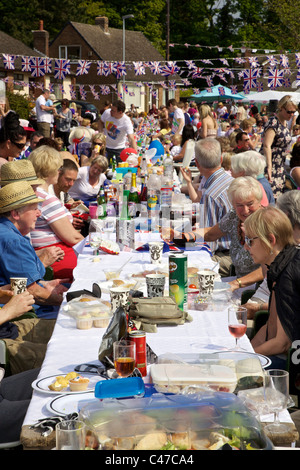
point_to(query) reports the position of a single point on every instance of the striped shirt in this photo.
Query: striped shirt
(51, 211)
(215, 204)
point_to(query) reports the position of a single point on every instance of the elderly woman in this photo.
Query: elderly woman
(89, 180)
(276, 141)
(54, 226)
(269, 240)
(251, 163)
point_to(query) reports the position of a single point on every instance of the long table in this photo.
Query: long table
(69, 346)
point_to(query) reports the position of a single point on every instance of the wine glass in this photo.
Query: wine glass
(124, 357)
(277, 397)
(237, 323)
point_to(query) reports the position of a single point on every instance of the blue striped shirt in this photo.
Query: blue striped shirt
(214, 204)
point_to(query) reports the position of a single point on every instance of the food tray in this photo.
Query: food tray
(88, 311)
(198, 422)
(172, 378)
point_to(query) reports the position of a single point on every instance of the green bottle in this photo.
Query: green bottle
(133, 199)
(124, 213)
(101, 201)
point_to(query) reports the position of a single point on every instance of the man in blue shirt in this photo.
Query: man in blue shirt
(18, 214)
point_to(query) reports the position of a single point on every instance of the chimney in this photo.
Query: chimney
(41, 39)
(103, 22)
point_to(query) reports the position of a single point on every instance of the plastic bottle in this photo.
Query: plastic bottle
(153, 194)
(168, 167)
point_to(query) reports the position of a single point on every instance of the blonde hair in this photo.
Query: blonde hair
(46, 161)
(246, 123)
(205, 111)
(100, 160)
(270, 221)
(287, 99)
(226, 160)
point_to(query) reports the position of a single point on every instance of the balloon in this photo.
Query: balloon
(159, 147)
(126, 152)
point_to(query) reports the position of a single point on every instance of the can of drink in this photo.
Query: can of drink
(178, 279)
(139, 338)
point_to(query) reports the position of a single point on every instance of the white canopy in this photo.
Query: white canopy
(271, 95)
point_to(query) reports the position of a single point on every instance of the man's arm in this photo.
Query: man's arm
(48, 292)
(16, 306)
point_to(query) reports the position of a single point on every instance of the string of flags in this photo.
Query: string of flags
(275, 68)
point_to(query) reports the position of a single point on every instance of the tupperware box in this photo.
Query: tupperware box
(204, 421)
(227, 371)
(88, 311)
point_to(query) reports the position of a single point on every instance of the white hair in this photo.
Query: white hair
(250, 163)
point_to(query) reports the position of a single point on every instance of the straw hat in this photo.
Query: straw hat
(16, 195)
(80, 134)
(19, 170)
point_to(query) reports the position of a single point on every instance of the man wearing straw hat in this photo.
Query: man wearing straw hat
(23, 170)
(18, 214)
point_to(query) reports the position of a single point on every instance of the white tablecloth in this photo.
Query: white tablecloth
(69, 346)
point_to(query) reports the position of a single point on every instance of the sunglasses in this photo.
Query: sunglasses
(248, 241)
(290, 112)
(18, 144)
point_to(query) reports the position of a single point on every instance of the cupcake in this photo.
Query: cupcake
(101, 320)
(84, 321)
(78, 384)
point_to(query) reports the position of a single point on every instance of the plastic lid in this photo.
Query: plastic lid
(120, 388)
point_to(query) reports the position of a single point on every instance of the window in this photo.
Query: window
(18, 79)
(70, 52)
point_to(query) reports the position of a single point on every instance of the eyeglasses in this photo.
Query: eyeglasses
(19, 144)
(248, 241)
(290, 112)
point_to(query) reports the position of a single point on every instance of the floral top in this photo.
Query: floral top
(240, 257)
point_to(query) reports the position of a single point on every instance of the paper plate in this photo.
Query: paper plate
(69, 403)
(42, 385)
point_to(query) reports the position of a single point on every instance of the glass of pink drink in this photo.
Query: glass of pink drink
(237, 323)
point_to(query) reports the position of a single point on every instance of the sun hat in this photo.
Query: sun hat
(16, 195)
(19, 170)
(80, 134)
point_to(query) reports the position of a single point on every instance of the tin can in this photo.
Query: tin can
(139, 338)
(178, 279)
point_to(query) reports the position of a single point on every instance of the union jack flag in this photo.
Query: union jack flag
(26, 67)
(253, 62)
(240, 60)
(275, 78)
(260, 86)
(250, 78)
(61, 68)
(186, 82)
(48, 65)
(104, 90)
(297, 57)
(72, 92)
(125, 87)
(82, 92)
(111, 68)
(83, 67)
(224, 62)
(37, 66)
(221, 91)
(9, 61)
(272, 60)
(155, 68)
(284, 60)
(196, 72)
(102, 68)
(120, 69)
(207, 61)
(172, 84)
(191, 64)
(234, 89)
(286, 82)
(209, 81)
(139, 68)
(196, 91)
(170, 68)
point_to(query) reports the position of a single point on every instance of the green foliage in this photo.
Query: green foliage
(19, 103)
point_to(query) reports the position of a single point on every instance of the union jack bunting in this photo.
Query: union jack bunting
(172, 84)
(51, 87)
(221, 91)
(260, 86)
(139, 68)
(196, 72)
(240, 60)
(9, 61)
(61, 88)
(190, 63)
(207, 61)
(170, 68)
(272, 60)
(111, 67)
(297, 57)
(186, 81)
(104, 90)
(250, 77)
(284, 61)
(224, 62)
(72, 92)
(253, 62)
(120, 69)
(26, 66)
(155, 68)
(48, 65)
(82, 92)
(125, 88)
(83, 67)
(234, 89)
(61, 68)
(102, 68)
(209, 81)
(275, 78)
(37, 66)
(209, 90)
(286, 82)
(196, 91)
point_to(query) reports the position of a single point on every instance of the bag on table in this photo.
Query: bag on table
(147, 313)
(116, 330)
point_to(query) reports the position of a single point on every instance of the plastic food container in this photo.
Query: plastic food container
(204, 421)
(173, 378)
(88, 312)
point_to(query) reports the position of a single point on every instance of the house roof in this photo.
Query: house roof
(109, 47)
(9, 45)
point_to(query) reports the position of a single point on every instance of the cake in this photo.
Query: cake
(101, 320)
(79, 384)
(84, 321)
(62, 382)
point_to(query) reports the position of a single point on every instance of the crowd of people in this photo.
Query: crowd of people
(251, 214)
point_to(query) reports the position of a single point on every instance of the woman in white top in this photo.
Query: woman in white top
(89, 179)
(54, 226)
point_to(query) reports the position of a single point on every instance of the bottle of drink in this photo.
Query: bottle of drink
(124, 212)
(101, 201)
(144, 167)
(168, 167)
(153, 194)
(133, 199)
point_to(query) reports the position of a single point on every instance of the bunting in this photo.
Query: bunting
(61, 68)
(9, 61)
